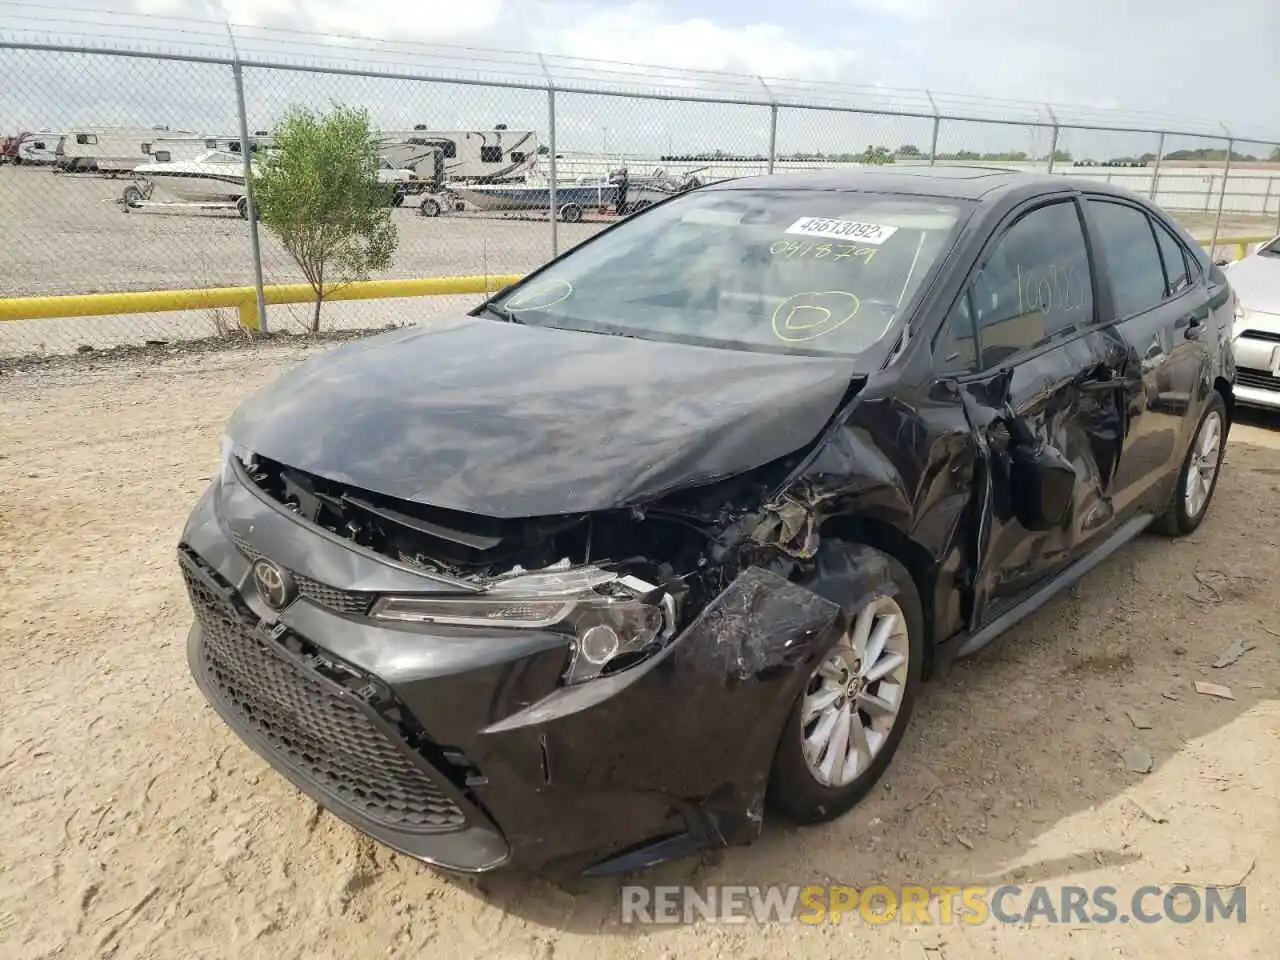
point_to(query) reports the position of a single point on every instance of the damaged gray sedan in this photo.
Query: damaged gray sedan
(670, 532)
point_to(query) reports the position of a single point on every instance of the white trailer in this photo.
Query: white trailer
(108, 149)
(38, 149)
(470, 156)
(179, 148)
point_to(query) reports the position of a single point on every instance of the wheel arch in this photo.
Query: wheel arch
(882, 535)
(1223, 386)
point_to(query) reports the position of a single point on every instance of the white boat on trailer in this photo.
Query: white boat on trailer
(214, 180)
(533, 193)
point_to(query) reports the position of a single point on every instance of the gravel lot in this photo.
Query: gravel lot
(137, 826)
(65, 234)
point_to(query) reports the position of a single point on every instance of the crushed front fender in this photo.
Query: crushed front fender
(697, 726)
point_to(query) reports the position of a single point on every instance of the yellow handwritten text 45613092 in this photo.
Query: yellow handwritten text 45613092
(796, 249)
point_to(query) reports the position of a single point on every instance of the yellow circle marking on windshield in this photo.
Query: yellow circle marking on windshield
(555, 291)
(803, 317)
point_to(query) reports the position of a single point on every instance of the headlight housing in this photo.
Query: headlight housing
(1238, 317)
(229, 450)
(612, 621)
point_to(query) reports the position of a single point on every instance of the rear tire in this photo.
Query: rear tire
(815, 779)
(1198, 476)
(429, 208)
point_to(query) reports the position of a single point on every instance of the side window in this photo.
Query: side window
(1129, 250)
(1034, 284)
(490, 154)
(1175, 260)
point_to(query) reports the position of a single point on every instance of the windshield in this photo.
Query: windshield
(1271, 249)
(789, 271)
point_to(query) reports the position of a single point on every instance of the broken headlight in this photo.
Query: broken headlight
(229, 450)
(613, 621)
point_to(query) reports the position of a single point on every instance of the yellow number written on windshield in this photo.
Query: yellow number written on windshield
(799, 249)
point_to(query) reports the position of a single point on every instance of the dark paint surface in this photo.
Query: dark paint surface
(507, 420)
(672, 755)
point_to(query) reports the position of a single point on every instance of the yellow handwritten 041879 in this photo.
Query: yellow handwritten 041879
(797, 249)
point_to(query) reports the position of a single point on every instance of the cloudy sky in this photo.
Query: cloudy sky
(1176, 58)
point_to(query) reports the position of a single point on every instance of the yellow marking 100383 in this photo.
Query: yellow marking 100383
(805, 316)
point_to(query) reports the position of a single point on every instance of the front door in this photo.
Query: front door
(1036, 353)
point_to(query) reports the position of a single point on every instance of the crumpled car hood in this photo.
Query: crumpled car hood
(507, 420)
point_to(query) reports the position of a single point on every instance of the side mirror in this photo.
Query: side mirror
(1042, 481)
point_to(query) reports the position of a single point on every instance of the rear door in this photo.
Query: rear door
(1159, 305)
(1023, 339)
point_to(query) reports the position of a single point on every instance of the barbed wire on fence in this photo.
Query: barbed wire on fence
(101, 29)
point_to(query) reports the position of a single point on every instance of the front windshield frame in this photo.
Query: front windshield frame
(868, 356)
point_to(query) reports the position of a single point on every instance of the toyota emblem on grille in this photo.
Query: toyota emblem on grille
(275, 585)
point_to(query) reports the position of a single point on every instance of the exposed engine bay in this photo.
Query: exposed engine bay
(691, 544)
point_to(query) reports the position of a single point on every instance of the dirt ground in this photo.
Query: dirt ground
(135, 825)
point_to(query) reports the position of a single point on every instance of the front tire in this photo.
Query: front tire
(1198, 476)
(854, 709)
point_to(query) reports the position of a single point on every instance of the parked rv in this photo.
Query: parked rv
(107, 149)
(473, 156)
(185, 148)
(37, 149)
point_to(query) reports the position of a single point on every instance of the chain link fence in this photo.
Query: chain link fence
(501, 159)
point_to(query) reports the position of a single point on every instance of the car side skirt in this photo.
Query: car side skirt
(966, 644)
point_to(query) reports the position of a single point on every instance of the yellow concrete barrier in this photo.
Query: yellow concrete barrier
(243, 299)
(1241, 244)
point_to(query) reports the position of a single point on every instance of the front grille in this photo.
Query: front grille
(1261, 379)
(344, 601)
(312, 724)
(1266, 335)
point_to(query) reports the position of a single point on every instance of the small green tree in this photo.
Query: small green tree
(318, 191)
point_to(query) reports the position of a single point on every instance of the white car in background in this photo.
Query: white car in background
(1256, 337)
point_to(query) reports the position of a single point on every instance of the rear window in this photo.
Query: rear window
(800, 271)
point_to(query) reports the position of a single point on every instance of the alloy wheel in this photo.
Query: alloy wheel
(1203, 467)
(854, 697)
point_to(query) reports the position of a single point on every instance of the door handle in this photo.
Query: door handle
(1192, 324)
(1106, 382)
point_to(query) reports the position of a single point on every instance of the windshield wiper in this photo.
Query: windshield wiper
(505, 313)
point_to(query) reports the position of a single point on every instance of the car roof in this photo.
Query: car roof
(951, 182)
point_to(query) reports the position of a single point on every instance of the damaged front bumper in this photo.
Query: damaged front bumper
(461, 745)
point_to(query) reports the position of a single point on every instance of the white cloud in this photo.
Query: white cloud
(654, 33)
